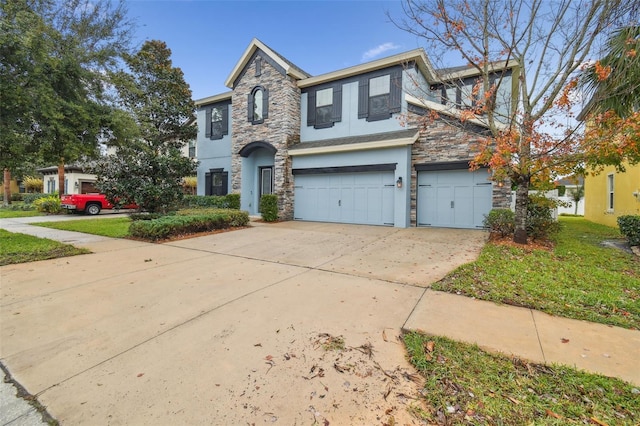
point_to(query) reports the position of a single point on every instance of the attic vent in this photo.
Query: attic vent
(258, 63)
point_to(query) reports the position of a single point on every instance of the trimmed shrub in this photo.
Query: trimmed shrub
(148, 216)
(168, 226)
(500, 221)
(236, 217)
(233, 201)
(540, 221)
(269, 207)
(630, 227)
(16, 196)
(229, 201)
(30, 198)
(50, 204)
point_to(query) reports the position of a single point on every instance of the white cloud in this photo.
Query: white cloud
(378, 50)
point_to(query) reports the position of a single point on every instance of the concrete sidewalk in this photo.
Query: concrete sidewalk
(284, 283)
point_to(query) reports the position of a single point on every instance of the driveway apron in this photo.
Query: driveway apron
(292, 322)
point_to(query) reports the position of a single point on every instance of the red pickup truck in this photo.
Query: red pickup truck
(88, 203)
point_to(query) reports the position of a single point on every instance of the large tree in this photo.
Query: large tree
(549, 40)
(149, 166)
(54, 64)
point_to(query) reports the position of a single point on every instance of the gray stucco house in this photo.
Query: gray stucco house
(349, 146)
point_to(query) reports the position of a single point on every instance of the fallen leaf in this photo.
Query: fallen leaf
(552, 414)
(384, 336)
(515, 401)
(258, 344)
(140, 374)
(598, 422)
(268, 357)
(563, 340)
(430, 345)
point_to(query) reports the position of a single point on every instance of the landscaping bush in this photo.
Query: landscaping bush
(229, 201)
(30, 198)
(236, 217)
(500, 221)
(630, 227)
(540, 221)
(50, 204)
(16, 196)
(269, 207)
(148, 216)
(168, 226)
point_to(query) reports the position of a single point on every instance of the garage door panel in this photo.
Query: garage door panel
(364, 198)
(453, 198)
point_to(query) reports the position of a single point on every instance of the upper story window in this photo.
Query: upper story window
(258, 105)
(610, 192)
(324, 106)
(380, 94)
(217, 121)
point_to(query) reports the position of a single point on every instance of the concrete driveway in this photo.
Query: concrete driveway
(288, 323)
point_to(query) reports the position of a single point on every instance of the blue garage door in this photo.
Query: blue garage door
(453, 198)
(362, 198)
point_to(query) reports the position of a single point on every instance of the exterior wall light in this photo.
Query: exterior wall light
(399, 182)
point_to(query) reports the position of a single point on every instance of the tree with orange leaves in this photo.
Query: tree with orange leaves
(534, 139)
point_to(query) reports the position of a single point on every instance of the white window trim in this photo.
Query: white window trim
(610, 192)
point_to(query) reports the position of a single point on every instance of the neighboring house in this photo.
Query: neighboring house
(571, 183)
(348, 146)
(611, 194)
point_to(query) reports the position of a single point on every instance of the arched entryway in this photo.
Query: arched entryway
(257, 174)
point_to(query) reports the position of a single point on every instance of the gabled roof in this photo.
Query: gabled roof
(289, 67)
(213, 99)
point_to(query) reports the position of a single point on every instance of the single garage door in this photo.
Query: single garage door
(362, 198)
(453, 198)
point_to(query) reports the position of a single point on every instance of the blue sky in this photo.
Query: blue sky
(207, 38)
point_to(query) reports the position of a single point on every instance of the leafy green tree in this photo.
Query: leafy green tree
(148, 167)
(54, 61)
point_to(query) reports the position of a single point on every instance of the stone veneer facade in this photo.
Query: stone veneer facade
(443, 142)
(281, 128)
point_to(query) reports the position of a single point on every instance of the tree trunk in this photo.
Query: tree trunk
(7, 187)
(61, 178)
(522, 199)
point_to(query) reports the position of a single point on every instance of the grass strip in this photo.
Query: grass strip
(21, 248)
(112, 227)
(465, 385)
(578, 279)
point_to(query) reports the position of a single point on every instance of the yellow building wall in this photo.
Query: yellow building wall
(596, 190)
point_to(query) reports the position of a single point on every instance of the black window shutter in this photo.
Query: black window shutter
(265, 103)
(363, 98)
(225, 120)
(225, 183)
(311, 108)
(337, 103)
(250, 107)
(207, 183)
(207, 131)
(395, 88)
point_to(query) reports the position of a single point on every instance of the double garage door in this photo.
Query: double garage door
(453, 198)
(362, 197)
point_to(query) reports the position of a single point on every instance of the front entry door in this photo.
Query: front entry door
(266, 180)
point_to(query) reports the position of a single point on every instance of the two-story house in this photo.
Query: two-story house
(349, 146)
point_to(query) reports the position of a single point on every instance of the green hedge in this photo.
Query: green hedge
(630, 227)
(229, 201)
(30, 198)
(236, 217)
(269, 207)
(500, 221)
(169, 226)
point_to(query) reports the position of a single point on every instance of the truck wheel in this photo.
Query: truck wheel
(92, 209)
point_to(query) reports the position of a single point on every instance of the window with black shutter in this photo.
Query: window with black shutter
(324, 106)
(380, 95)
(216, 182)
(217, 121)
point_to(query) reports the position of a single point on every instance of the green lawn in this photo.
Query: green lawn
(20, 248)
(467, 386)
(579, 279)
(112, 227)
(6, 213)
